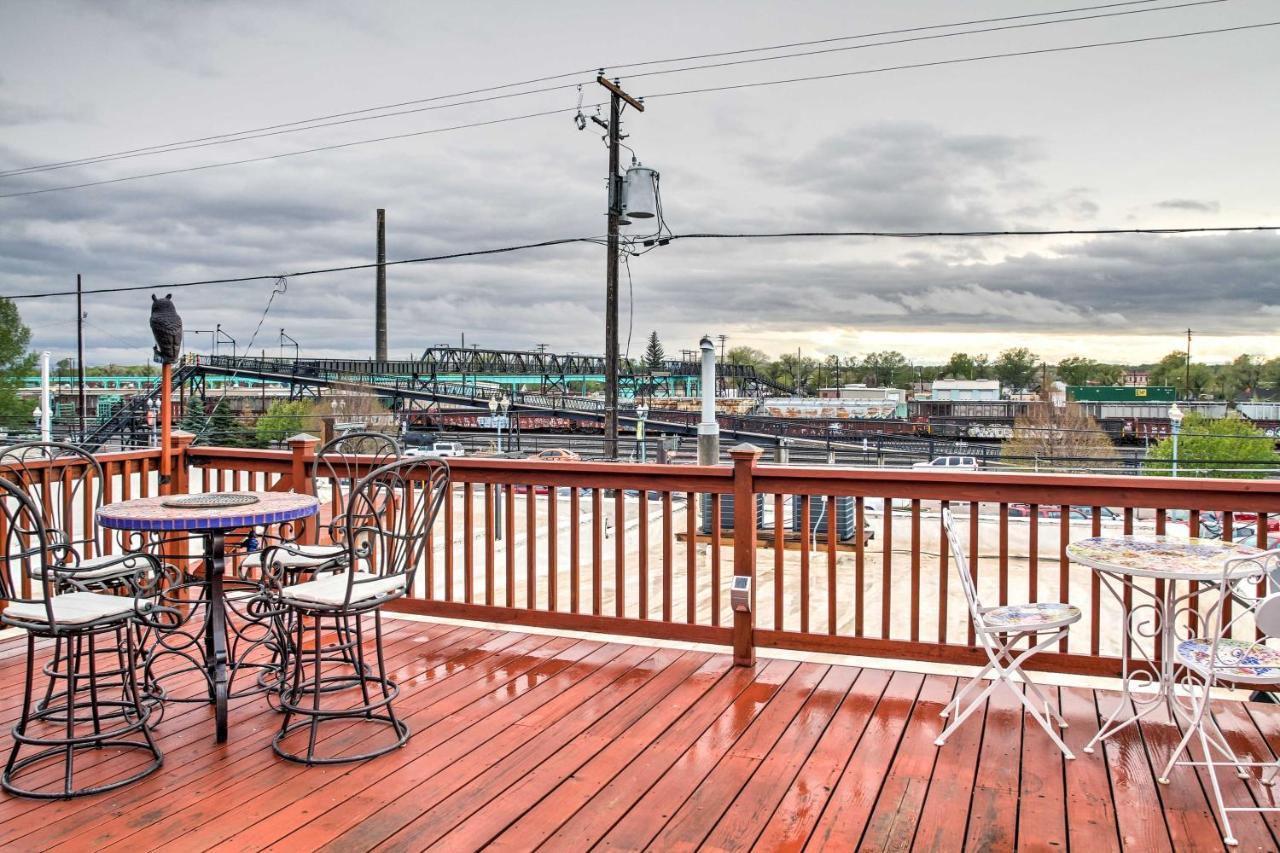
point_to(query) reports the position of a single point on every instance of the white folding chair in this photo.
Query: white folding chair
(999, 630)
(1218, 657)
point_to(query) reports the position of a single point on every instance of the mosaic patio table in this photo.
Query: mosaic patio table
(211, 516)
(1151, 610)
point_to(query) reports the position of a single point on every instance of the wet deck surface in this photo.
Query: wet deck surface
(522, 740)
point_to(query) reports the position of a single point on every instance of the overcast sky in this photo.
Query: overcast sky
(1173, 133)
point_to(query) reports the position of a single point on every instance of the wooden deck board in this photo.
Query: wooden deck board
(526, 741)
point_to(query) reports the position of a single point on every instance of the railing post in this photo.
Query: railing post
(744, 458)
(179, 482)
(303, 446)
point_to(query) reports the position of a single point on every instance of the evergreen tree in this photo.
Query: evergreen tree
(224, 428)
(16, 363)
(653, 353)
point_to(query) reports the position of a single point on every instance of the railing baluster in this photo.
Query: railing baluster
(860, 565)
(915, 569)
(553, 546)
(691, 558)
(642, 560)
(575, 551)
(1064, 565)
(597, 550)
(806, 532)
(490, 554)
(974, 536)
(779, 560)
(430, 586)
(668, 554)
(833, 536)
(619, 553)
(1033, 553)
(886, 570)
(944, 577)
(509, 543)
(717, 528)
(531, 547)
(1228, 535)
(468, 543)
(448, 545)
(1193, 600)
(1003, 565)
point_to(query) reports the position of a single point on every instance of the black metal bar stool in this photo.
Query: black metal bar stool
(387, 519)
(94, 711)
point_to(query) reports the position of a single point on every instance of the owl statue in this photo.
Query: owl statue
(166, 326)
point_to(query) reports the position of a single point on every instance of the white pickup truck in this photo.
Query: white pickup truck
(439, 450)
(949, 463)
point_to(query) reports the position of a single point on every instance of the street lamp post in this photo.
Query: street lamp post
(498, 409)
(1175, 420)
(642, 412)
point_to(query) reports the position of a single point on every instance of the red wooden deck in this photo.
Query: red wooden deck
(525, 740)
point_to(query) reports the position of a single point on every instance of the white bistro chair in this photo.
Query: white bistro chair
(1000, 630)
(1221, 656)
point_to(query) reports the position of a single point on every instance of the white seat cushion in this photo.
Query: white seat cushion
(76, 608)
(1029, 617)
(332, 589)
(104, 566)
(1237, 660)
(306, 556)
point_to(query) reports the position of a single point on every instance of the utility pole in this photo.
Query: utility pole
(380, 298)
(1186, 377)
(616, 99)
(80, 403)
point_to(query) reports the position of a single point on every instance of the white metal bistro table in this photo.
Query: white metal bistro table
(1151, 614)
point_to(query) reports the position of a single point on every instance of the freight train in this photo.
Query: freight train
(1127, 423)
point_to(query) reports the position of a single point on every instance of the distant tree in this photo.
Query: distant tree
(748, 355)
(285, 419)
(1058, 437)
(225, 429)
(982, 366)
(1270, 374)
(882, 368)
(960, 366)
(16, 363)
(1242, 377)
(1226, 447)
(654, 355)
(1170, 370)
(194, 420)
(1016, 368)
(1075, 370)
(796, 372)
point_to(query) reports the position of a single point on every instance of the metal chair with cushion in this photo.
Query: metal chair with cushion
(1237, 648)
(385, 534)
(96, 711)
(336, 469)
(1000, 631)
(66, 483)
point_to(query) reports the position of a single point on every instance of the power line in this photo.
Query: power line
(1057, 232)
(963, 60)
(546, 79)
(290, 153)
(911, 39)
(679, 93)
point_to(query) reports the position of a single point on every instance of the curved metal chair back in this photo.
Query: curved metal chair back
(391, 512)
(24, 546)
(962, 566)
(1250, 615)
(341, 462)
(65, 483)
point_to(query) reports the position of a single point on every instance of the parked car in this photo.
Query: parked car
(950, 463)
(556, 454)
(438, 450)
(1078, 513)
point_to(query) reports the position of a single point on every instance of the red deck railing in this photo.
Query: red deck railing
(650, 550)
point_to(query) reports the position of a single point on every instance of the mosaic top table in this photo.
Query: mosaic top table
(211, 516)
(1151, 610)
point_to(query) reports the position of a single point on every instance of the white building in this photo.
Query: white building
(966, 389)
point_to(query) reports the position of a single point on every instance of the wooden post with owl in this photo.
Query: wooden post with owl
(166, 327)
